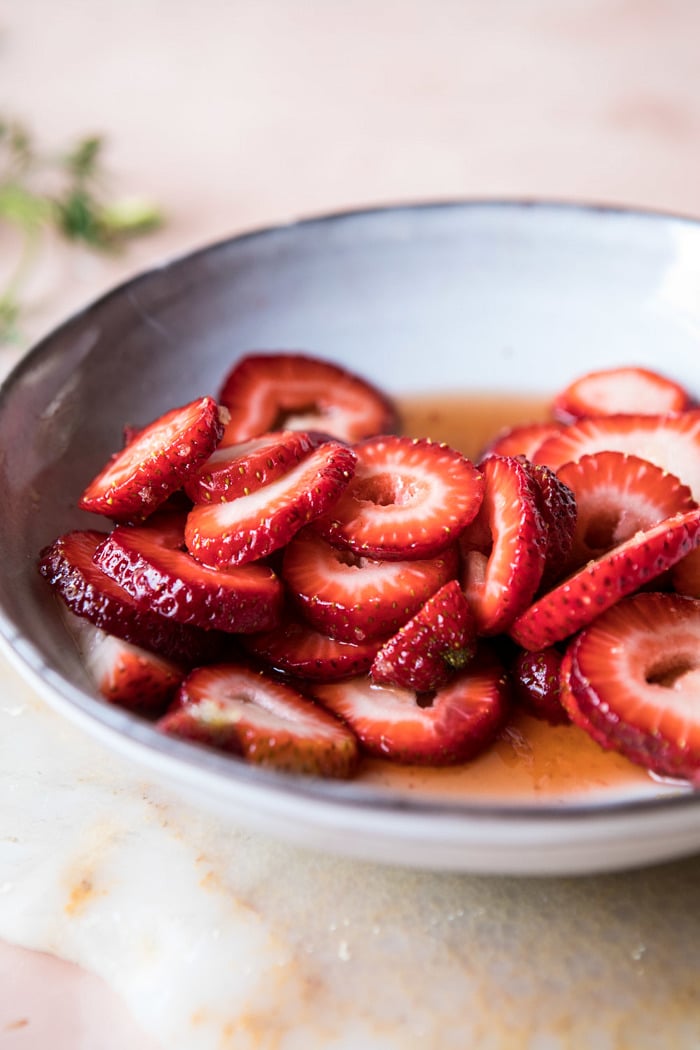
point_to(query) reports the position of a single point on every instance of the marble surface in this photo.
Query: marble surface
(233, 115)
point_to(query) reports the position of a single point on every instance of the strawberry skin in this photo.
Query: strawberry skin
(427, 650)
(557, 505)
(149, 562)
(126, 675)
(461, 720)
(579, 599)
(536, 681)
(409, 499)
(299, 392)
(298, 649)
(68, 565)
(253, 526)
(504, 550)
(359, 599)
(244, 712)
(238, 470)
(155, 463)
(671, 442)
(617, 495)
(632, 680)
(614, 391)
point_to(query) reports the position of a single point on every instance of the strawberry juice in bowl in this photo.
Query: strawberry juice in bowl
(468, 317)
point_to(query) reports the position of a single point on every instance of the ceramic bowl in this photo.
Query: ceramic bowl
(477, 297)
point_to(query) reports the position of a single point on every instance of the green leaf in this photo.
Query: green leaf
(22, 207)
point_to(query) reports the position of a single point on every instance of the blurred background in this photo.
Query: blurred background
(226, 115)
(231, 114)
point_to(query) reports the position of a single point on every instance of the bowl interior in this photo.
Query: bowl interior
(474, 297)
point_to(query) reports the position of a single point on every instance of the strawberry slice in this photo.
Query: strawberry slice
(671, 442)
(521, 440)
(150, 563)
(617, 495)
(253, 526)
(126, 675)
(68, 564)
(632, 680)
(238, 470)
(611, 391)
(359, 599)
(579, 599)
(504, 549)
(299, 392)
(409, 499)
(246, 713)
(155, 463)
(536, 685)
(300, 650)
(460, 720)
(439, 640)
(557, 504)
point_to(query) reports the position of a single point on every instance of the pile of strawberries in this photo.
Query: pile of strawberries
(288, 580)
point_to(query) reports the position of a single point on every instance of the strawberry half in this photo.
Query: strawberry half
(617, 495)
(598, 585)
(238, 470)
(125, 674)
(504, 549)
(409, 499)
(298, 649)
(632, 680)
(69, 566)
(536, 685)
(460, 720)
(150, 563)
(253, 526)
(671, 442)
(522, 440)
(359, 599)
(155, 463)
(612, 391)
(439, 640)
(295, 391)
(246, 713)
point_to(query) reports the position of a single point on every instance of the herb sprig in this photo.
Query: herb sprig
(65, 193)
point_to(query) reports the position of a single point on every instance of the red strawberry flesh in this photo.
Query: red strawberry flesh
(620, 390)
(298, 649)
(536, 684)
(247, 713)
(409, 499)
(150, 563)
(155, 463)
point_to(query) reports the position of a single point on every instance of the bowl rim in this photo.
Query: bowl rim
(129, 732)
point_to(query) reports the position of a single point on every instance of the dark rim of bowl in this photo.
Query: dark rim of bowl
(340, 794)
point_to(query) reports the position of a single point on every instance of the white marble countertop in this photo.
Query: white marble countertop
(231, 116)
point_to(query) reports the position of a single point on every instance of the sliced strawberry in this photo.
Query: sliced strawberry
(617, 495)
(150, 563)
(298, 649)
(557, 505)
(536, 684)
(522, 440)
(409, 499)
(359, 599)
(251, 527)
(299, 392)
(125, 674)
(69, 567)
(439, 640)
(632, 680)
(247, 713)
(460, 720)
(504, 549)
(671, 442)
(155, 463)
(579, 599)
(238, 470)
(611, 391)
